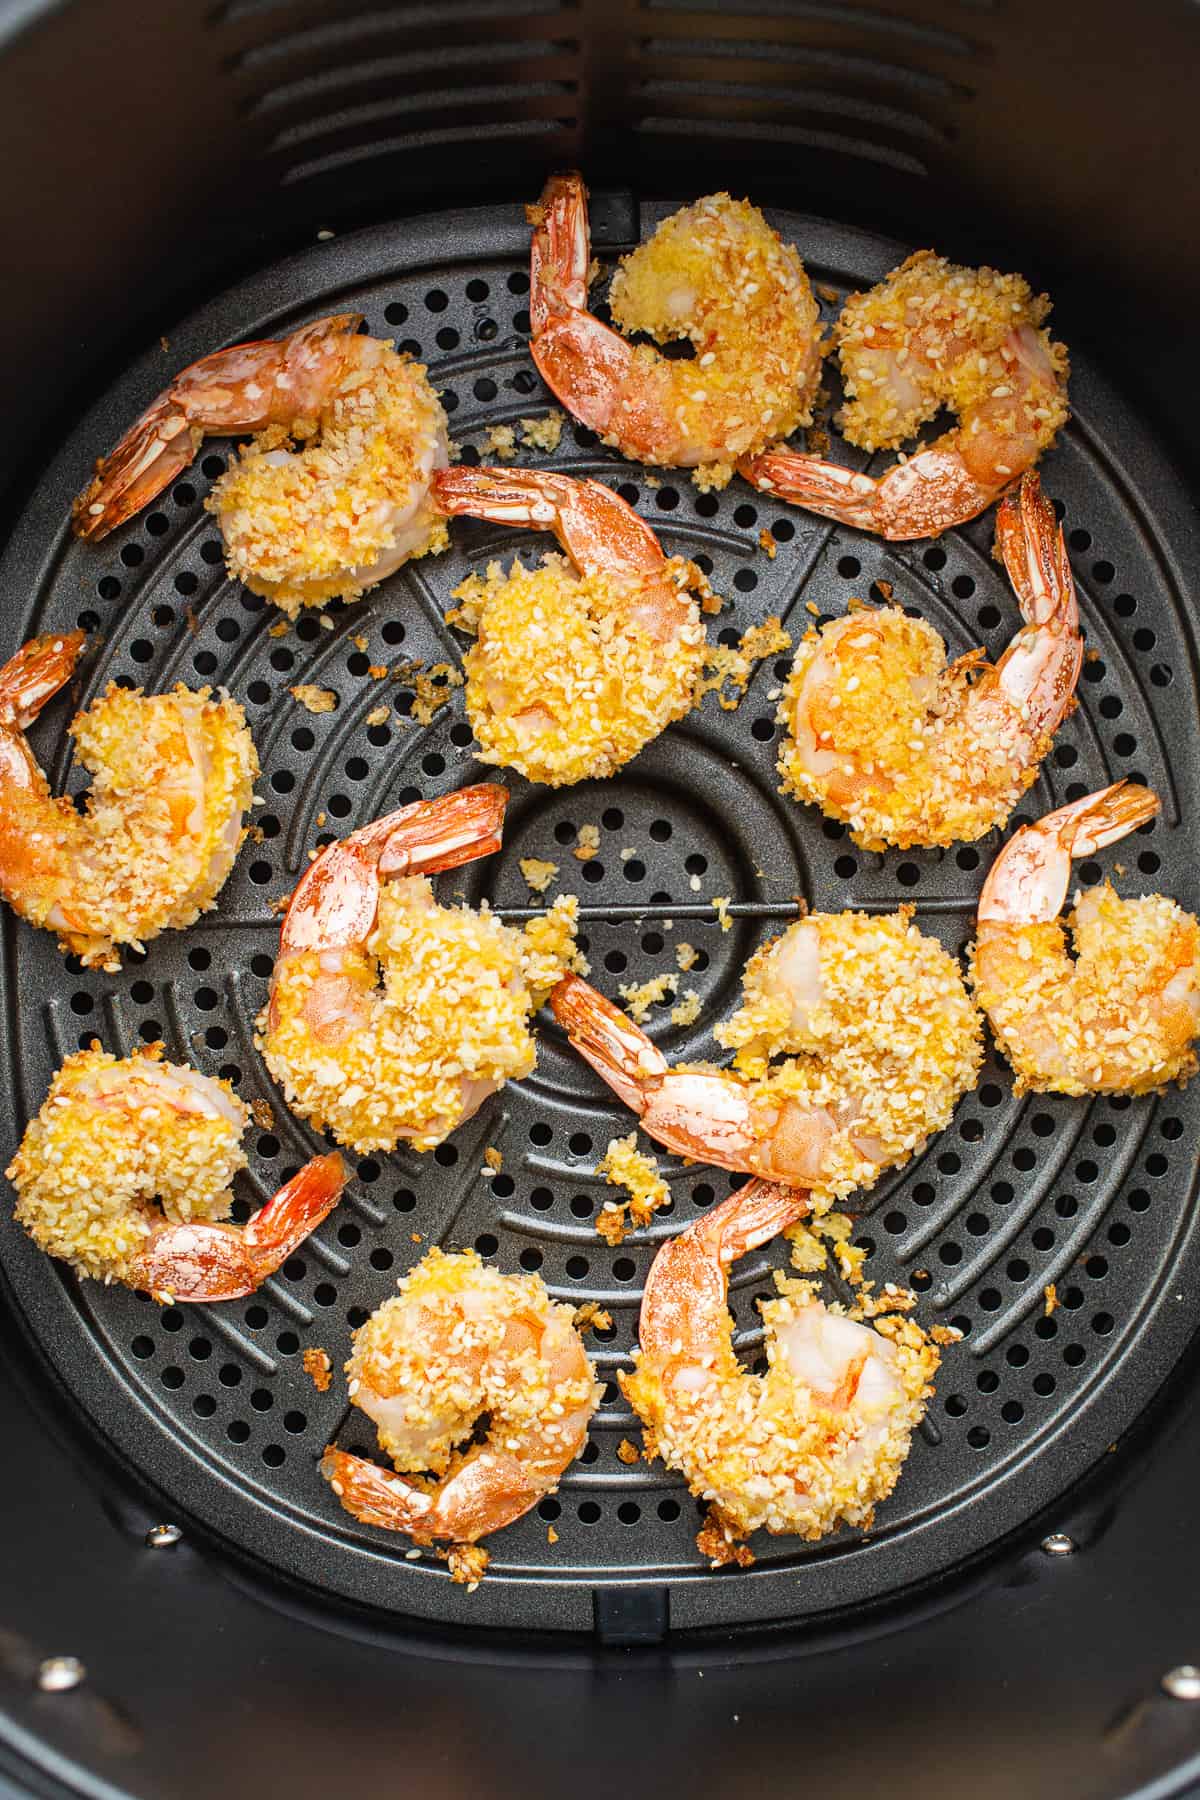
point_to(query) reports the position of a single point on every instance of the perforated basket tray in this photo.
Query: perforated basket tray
(1095, 1197)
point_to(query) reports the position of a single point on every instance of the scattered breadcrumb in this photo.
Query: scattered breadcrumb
(726, 663)
(945, 1334)
(263, 1114)
(884, 588)
(624, 1165)
(416, 1237)
(379, 715)
(378, 671)
(811, 606)
(591, 1316)
(280, 628)
(721, 903)
(808, 1254)
(650, 481)
(686, 956)
(359, 640)
(716, 1541)
(467, 1564)
(627, 1452)
(431, 688)
(318, 1368)
(688, 1010)
(589, 843)
(316, 699)
(544, 433)
(767, 542)
(551, 1535)
(640, 997)
(493, 1159)
(537, 874)
(1051, 1293)
(501, 440)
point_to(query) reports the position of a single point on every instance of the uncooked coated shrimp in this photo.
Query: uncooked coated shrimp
(115, 1135)
(1122, 1015)
(819, 1439)
(461, 1342)
(174, 775)
(301, 526)
(907, 749)
(572, 673)
(855, 1040)
(933, 335)
(413, 1059)
(715, 274)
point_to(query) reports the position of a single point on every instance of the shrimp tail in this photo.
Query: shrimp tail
(199, 1261)
(1028, 881)
(335, 901)
(918, 498)
(36, 673)
(243, 388)
(375, 1496)
(1030, 542)
(560, 251)
(820, 487)
(606, 1038)
(598, 530)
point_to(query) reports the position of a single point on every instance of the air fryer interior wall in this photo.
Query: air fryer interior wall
(170, 159)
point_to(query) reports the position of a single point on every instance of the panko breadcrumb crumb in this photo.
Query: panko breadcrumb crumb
(588, 843)
(314, 699)
(639, 997)
(688, 1009)
(536, 874)
(628, 1453)
(318, 1368)
(493, 1159)
(624, 1165)
(544, 433)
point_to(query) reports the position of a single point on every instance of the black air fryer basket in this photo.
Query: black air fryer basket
(184, 1608)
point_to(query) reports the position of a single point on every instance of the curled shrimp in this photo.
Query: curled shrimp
(821, 1437)
(573, 672)
(905, 748)
(301, 526)
(173, 777)
(1122, 1015)
(932, 335)
(459, 1342)
(115, 1135)
(715, 274)
(854, 1041)
(393, 1018)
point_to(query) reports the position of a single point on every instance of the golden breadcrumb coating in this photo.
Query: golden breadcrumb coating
(945, 325)
(768, 1450)
(310, 526)
(894, 1033)
(107, 1145)
(624, 1165)
(915, 763)
(1119, 1017)
(446, 1345)
(563, 683)
(717, 274)
(459, 990)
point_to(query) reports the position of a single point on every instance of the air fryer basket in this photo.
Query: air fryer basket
(202, 1418)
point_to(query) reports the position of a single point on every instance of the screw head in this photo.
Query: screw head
(161, 1537)
(1058, 1544)
(1183, 1682)
(59, 1674)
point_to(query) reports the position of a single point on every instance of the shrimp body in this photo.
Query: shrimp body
(301, 525)
(573, 669)
(821, 1437)
(460, 1341)
(854, 1041)
(715, 274)
(392, 1018)
(1122, 1015)
(933, 335)
(906, 748)
(173, 777)
(115, 1135)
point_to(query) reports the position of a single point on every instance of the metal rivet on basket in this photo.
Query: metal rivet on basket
(58, 1674)
(161, 1537)
(1058, 1544)
(1182, 1683)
